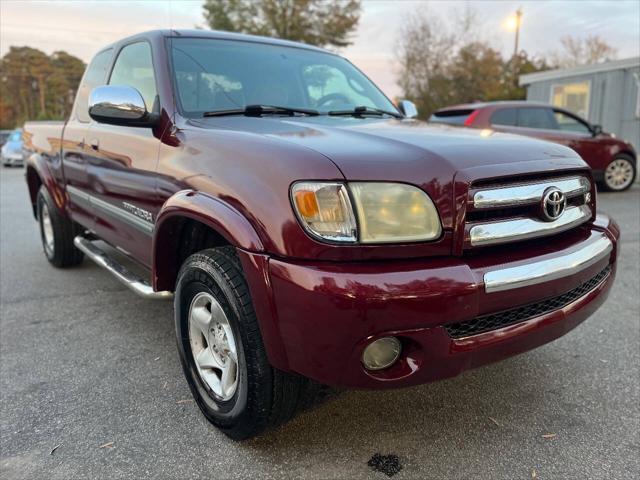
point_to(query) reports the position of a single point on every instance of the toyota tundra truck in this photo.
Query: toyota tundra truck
(309, 231)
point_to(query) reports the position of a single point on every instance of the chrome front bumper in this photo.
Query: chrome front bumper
(570, 262)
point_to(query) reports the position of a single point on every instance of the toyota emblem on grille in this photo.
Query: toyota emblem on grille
(554, 202)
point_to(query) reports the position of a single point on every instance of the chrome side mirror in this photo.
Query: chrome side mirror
(408, 109)
(119, 105)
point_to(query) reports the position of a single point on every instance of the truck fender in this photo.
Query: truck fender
(212, 212)
(237, 231)
(39, 173)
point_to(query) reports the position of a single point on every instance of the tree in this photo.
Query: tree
(34, 85)
(520, 64)
(445, 64)
(317, 22)
(476, 73)
(583, 51)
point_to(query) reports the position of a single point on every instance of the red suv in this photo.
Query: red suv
(613, 160)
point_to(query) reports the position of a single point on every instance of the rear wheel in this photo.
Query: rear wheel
(57, 233)
(221, 349)
(620, 173)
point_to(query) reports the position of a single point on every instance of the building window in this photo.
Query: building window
(572, 96)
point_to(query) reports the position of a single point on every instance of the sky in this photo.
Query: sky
(81, 27)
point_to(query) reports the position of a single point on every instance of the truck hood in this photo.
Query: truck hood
(368, 149)
(430, 156)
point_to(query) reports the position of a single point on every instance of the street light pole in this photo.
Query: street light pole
(518, 21)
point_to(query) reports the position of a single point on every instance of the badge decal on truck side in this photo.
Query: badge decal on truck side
(138, 212)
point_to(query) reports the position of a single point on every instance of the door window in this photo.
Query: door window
(93, 77)
(505, 116)
(540, 118)
(573, 97)
(570, 123)
(134, 68)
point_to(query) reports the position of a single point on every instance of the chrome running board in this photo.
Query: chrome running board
(129, 279)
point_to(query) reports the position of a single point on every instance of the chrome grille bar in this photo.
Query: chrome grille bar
(526, 228)
(529, 193)
(570, 263)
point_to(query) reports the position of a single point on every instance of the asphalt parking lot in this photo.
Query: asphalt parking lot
(89, 368)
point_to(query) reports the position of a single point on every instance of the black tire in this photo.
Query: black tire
(609, 184)
(61, 252)
(264, 396)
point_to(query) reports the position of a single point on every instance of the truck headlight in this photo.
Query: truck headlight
(386, 212)
(394, 212)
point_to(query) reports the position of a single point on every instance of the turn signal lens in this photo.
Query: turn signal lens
(307, 203)
(324, 210)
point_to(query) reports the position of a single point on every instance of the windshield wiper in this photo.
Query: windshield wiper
(258, 110)
(361, 111)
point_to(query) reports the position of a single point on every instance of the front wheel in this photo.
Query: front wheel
(620, 173)
(221, 348)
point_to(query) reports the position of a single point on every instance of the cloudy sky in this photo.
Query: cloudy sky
(82, 26)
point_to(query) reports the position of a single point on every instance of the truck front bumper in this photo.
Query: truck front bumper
(450, 314)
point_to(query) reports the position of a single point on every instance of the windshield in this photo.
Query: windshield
(216, 75)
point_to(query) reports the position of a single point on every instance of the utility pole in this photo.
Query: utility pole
(518, 21)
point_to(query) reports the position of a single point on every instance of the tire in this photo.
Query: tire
(263, 396)
(56, 233)
(619, 174)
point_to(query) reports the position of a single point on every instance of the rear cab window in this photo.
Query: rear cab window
(94, 76)
(452, 117)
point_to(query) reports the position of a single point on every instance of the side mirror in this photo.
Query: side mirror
(119, 105)
(596, 130)
(408, 109)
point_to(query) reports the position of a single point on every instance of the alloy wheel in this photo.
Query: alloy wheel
(619, 174)
(213, 346)
(47, 228)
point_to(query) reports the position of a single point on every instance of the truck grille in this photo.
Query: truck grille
(507, 213)
(486, 323)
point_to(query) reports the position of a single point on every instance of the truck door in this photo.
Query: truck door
(75, 149)
(122, 164)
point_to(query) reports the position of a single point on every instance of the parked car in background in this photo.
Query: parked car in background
(4, 136)
(613, 161)
(11, 153)
(308, 229)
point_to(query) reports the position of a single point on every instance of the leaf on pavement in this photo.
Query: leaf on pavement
(549, 435)
(107, 445)
(55, 448)
(495, 421)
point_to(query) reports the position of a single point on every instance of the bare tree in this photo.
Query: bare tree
(424, 48)
(444, 63)
(583, 51)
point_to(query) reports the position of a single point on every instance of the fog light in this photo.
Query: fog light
(382, 353)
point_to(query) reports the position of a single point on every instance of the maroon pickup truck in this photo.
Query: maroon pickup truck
(308, 231)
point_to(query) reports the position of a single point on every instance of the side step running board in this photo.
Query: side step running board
(135, 283)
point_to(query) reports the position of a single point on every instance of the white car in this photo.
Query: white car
(11, 152)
